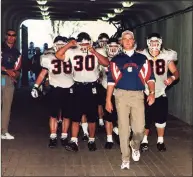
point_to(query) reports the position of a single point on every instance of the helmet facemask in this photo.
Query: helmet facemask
(103, 42)
(59, 44)
(113, 49)
(154, 44)
(83, 45)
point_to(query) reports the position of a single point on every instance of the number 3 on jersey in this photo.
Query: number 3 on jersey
(159, 66)
(60, 66)
(88, 63)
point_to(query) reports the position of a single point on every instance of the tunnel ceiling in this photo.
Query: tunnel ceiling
(140, 12)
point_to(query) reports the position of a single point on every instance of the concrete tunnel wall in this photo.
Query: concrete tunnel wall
(177, 35)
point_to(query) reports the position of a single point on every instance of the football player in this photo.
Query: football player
(162, 60)
(113, 48)
(85, 62)
(61, 82)
(102, 41)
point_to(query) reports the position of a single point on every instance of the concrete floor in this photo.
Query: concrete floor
(29, 155)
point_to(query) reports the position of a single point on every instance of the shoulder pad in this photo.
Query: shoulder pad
(49, 51)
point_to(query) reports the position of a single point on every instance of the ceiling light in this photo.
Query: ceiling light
(105, 18)
(46, 17)
(111, 15)
(43, 8)
(80, 11)
(92, 0)
(127, 4)
(41, 2)
(45, 13)
(118, 11)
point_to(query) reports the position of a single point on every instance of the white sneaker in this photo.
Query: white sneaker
(7, 136)
(101, 122)
(116, 130)
(125, 165)
(135, 154)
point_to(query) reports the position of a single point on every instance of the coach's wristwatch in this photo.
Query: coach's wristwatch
(151, 92)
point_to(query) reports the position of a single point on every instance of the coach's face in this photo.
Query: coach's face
(10, 37)
(128, 42)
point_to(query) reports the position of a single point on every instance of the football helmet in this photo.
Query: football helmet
(59, 42)
(83, 41)
(154, 42)
(103, 40)
(113, 47)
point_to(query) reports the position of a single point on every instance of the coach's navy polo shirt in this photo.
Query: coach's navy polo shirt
(9, 56)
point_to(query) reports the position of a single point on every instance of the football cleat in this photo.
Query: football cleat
(92, 146)
(71, 146)
(109, 145)
(161, 147)
(85, 137)
(64, 141)
(53, 142)
(144, 147)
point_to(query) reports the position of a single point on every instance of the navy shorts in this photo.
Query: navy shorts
(60, 99)
(101, 92)
(85, 101)
(111, 117)
(157, 112)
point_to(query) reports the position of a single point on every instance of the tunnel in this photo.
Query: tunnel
(29, 153)
(172, 19)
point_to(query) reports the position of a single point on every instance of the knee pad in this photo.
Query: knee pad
(160, 125)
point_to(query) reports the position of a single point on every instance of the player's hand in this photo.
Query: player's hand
(35, 92)
(72, 43)
(168, 81)
(151, 99)
(91, 49)
(109, 106)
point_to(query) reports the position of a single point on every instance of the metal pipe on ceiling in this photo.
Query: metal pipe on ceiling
(165, 17)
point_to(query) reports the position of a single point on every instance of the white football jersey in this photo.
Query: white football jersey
(160, 68)
(59, 72)
(85, 65)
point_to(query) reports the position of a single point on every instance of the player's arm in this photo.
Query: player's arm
(41, 77)
(35, 90)
(60, 54)
(172, 68)
(150, 81)
(111, 82)
(103, 60)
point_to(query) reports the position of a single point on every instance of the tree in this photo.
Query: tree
(65, 28)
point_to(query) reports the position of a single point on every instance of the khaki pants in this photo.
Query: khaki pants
(7, 90)
(130, 109)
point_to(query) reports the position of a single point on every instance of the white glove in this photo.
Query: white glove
(35, 92)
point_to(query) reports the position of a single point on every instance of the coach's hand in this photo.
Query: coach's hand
(151, 99)
(109, 106)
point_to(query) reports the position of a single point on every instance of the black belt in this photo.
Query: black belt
(85, 83)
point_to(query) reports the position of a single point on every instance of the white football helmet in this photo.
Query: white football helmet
(103, 40)
(83, 41)
(113, 47)
(59, 42)
(154, 42)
